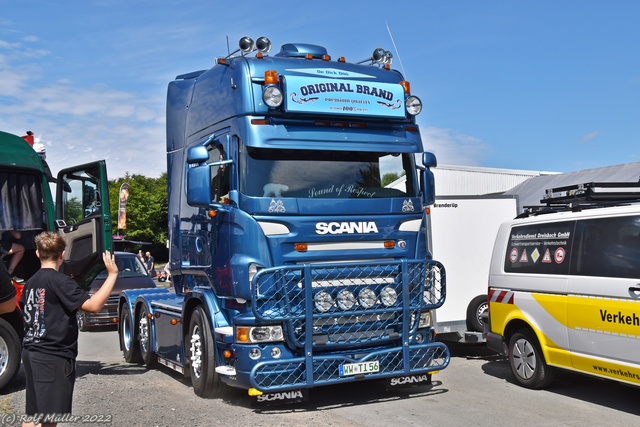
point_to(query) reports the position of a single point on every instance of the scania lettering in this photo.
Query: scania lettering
(346, 227)
(410, 380)
(295, 264)
(80, 214)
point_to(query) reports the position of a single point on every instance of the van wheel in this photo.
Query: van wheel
(128, 342)
(477, 307)
(202, 359)
(10, 350)
(527, 361)
(144, 334)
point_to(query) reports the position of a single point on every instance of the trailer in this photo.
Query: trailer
(463, 234)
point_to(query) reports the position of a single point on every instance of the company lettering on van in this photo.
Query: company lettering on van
(624, 319)
(346, 227)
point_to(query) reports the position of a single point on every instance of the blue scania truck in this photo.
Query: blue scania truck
(298, 228)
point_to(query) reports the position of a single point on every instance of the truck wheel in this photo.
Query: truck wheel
(81, 319)
(527, 361)
(202, 362)
(128, 342)
(476, 308)
(10, 350)
(144, 333)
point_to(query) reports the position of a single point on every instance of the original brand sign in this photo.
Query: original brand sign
(339, 96)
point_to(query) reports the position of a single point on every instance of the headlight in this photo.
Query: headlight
(367, 298)
(258, 334)
(388, 296)
(425, 320)
(272, 96)
(413, 105)
(346, 299)
(323, 301)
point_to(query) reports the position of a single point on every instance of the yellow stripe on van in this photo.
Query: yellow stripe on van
(554, 304)
(606, 315)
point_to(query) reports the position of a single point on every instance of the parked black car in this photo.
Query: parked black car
(132, 275)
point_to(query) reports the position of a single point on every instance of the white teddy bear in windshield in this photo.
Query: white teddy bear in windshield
(274, 190)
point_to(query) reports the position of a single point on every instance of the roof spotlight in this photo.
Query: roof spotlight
(378, 55)
(246, 44)
(388, 57)
(263, 44)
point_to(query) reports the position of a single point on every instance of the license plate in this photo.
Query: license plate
(359, 368)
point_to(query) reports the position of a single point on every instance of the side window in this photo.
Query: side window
(81, 197)
(220, 175)
(540, 248)
(608, 247)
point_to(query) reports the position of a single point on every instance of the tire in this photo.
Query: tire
(144, 335)
(128, 338)
(476, 308)
(81, 319)
(10, 351)
(201, 353)
(527, 361)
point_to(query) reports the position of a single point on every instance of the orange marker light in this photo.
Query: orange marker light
(212, 213)
(242, 334)
(389, 244)
(406, 85)
(227, 354)
(174, 321)
(301, 247)
(270, 77)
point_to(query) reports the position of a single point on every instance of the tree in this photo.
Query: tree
(147, 211)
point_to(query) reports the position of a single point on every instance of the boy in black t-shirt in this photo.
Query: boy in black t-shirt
(50, 301)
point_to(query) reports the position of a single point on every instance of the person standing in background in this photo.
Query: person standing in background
(151, 264)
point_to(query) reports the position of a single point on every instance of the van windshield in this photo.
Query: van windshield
(326, 174)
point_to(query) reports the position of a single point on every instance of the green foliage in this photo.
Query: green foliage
(147, 212)
(388, 178)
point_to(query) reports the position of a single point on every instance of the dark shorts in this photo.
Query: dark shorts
(50, 380)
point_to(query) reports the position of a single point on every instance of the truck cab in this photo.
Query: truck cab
(290, 250)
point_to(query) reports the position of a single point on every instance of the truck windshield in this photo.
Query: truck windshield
(266, 172)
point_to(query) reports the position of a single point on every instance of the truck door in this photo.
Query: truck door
(83, 217)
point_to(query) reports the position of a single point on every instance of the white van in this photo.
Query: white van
(564, 286)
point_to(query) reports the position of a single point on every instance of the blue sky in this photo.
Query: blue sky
(531, 84)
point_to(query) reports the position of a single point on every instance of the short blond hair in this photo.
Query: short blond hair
(50, 245)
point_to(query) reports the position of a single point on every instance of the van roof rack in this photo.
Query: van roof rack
(584, 196)
(593, 192)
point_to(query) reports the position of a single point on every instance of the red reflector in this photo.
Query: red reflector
(322, 123)
(358, 125)
(260, 121)
(340, 124)
(411, 128)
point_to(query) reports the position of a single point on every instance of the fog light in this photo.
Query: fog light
(276, 353)
(388, 296)
(323, 301)
(255, 353)
(346, 299)
(419, 338)
(367, 298)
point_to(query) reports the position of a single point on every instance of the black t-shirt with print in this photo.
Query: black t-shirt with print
(49, 302)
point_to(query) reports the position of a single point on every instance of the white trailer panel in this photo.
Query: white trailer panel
(463, 232)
